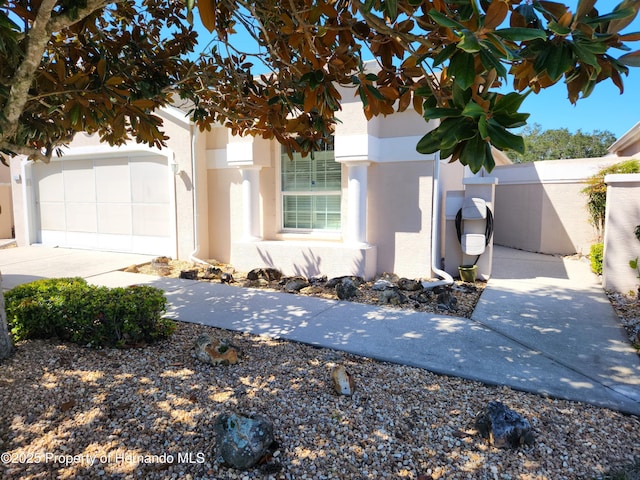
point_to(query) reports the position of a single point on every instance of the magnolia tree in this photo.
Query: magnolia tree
(104, 66)
(448, 58)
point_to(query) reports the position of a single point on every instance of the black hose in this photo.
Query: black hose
(488, 229)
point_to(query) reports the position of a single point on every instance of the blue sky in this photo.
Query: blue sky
(604, 109)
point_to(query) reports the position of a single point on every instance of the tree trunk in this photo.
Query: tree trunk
(6, 346)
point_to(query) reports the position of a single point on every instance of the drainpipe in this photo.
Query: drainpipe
(446, 279)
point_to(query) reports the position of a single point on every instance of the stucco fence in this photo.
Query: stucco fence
(620, 242)
(540, 207)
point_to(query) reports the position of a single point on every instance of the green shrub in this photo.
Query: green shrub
(70, 309)
(596, 256)
(596, 190)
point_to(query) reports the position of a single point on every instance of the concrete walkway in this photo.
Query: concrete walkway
(542, 325)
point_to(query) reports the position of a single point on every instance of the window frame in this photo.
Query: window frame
(281, 194)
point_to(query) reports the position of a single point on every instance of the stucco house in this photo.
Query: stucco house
(369, 203)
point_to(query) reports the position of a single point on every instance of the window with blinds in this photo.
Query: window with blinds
(311, 189)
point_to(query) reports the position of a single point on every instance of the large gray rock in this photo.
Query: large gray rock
(295, 284)
(346, 289)
(391, 296)
(409, 284)
(503, 427)
(243, 441)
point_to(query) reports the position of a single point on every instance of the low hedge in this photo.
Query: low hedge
(71, 309)
(596, 257)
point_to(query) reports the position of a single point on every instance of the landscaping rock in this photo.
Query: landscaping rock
(215, 352)
(446, 300)
(267, 273)
(318, 281)
(295, 284)
(382, 284)
(189, 274)
(132, 269)
(357, 281)
(391, 296)
(346, 289)
(409, 285)
(226, 278)
(343, 382)
(212, 272)
(243, 441)
(503, 427)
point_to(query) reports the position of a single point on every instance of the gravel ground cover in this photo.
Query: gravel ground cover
(68, 412)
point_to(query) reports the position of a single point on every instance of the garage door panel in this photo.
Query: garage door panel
(53, 216)
(114, 219)
(81, 217)
(50, 182)
(113, 183)
(150, 220)
(118, 243)
(149, 183)
(79, 181)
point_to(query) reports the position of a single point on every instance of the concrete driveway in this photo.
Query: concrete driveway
(25, 264)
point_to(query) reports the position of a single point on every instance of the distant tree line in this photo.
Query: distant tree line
(558, 144)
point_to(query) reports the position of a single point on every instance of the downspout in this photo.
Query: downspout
(446, 279)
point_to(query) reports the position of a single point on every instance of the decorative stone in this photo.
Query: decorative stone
(319, 280)
(226, 278)
(503, 427)
(382, 284)
(446, 300)
(423, 296)
(132, 269)
(295, 284)
(215, 352)
(243, 441)
(391, 296)
(212, 272)
(357, 281)
(346, 289)
(390, 277)
(189, 274)
(409, 285)
(342, 381)
(268, 274)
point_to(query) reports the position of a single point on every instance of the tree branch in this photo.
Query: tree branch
(32, 153)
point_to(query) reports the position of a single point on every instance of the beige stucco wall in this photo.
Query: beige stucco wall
(620, 243)
(399, 217)
(6, 203)
(540, 207)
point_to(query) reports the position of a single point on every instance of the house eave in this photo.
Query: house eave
(631, 136)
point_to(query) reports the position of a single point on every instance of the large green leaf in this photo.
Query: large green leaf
(444, 21)
(520, 34)
(510, 103)
(502, 139)
(444, 54)
(469, 42)
(473, 153)
(473, 110)
(433, 113)
(490, 61)
(456, 130)
(462, 68)
(430, 143)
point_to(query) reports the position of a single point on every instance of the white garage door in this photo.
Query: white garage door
(116, 204)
